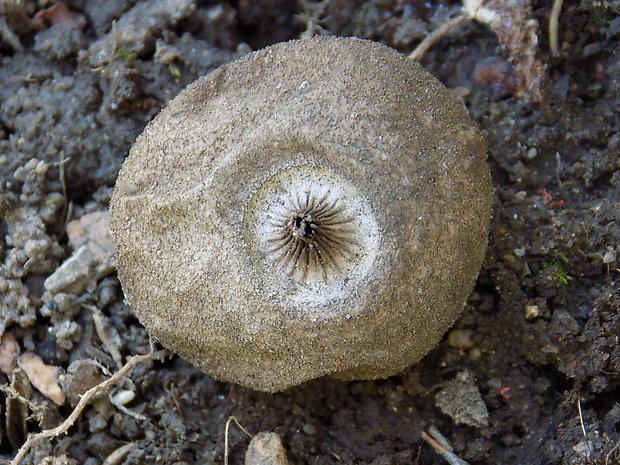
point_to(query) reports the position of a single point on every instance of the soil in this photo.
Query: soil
(530, 374)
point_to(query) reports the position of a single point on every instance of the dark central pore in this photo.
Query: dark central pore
(312, 236)
(303, 227)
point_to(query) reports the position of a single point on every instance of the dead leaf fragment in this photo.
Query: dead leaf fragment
(43, 377)
(9, 350)
(17, 409)
(59, 13)
(517, 30)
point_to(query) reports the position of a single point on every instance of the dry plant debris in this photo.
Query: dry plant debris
(226, 428)
(437, 34)
(9, 351)
(517, 30)
(42, 376)
(442, 446)
(553, 26)
(84, 401)
(59, 13)
(515, 27)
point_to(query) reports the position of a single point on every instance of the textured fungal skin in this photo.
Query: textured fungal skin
(317, 207)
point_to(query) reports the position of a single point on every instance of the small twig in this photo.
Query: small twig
(63, 161)
(558, 169)
(115, 40)
(312, 13)
(554, 19)
(442, 446)
(106, 332)
(119, 454)
(333, 454)
(611, 452)
(226, 436)
(173, 396)
(9, 36)
(99, 365)
(114, 401)
(583, 428)
(67, 207)
(84, 401)
(472, 9)
(417, 457)
(11, 392)
(435, 36)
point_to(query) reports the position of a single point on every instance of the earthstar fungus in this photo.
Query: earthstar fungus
(316, 207)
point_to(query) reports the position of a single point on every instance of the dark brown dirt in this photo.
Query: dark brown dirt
(544, 318)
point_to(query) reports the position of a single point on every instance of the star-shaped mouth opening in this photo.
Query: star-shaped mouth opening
(311, 235)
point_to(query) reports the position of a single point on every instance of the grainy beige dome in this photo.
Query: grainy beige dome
(317, 207)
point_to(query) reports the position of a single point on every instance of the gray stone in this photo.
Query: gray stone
(74, 274)
(461, 400)
(266, 449)
(614, 27)
(138, 28)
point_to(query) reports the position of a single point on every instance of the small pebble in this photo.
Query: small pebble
(67, 333)
(93, 231)
(309, 429)
(475, 353)
(498, 73)
(461, 338)
(531, 311)
(96, 423)
(107, 292)
(80, 377)
(592, 49)
(124, 397)
(550, 349)
(614, 27)
(73, 275)
(266, 449)
(610, 255)
(37, 248)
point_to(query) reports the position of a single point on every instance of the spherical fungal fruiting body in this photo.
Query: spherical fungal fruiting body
(317, 207)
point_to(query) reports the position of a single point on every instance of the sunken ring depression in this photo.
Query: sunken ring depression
(315, 231)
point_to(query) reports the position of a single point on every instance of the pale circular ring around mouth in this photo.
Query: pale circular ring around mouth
(313, 231)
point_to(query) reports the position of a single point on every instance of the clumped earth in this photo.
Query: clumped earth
(529, 374)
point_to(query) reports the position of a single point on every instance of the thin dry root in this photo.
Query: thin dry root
(583, 428)
(226, 436)
(442, 446)
(554, 19)
(435, 36)
(84, 401)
